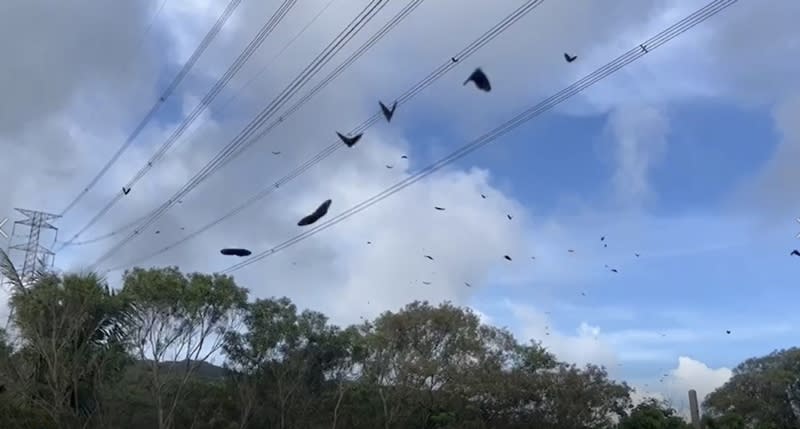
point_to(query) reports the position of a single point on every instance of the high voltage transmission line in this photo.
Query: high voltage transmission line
(601, 73)
(222, 106)
(244, 139)
(153, 20)
(363, 49)
(415, 89)
(102, 237)
(212, 33)
(237, 64)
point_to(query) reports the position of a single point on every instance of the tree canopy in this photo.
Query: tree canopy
(764, 393)
(174, 350)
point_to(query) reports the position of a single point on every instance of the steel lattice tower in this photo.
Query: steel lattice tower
(37, 257)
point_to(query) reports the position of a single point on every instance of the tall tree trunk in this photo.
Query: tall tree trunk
(336, 408)
(157, 391)
(283, 413)
(385, 409)
(246, 394)
(161, 424)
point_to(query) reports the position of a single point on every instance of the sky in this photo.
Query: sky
(685, 157)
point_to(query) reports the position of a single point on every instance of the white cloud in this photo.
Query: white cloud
(76, 84)
(720, 54)
(598, 312)
(639, 395)
(643, 358)
(673, 385)
(589, 343)
(72, 78)
(582, 347)
(773, 189)
(689, 374)
(693, 374)
(339, 272)
(641, 135)
(483, 317)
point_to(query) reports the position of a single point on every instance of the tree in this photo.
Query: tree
(762, 393)
(71, 342)
(178, 318)
(281, 348)
(348, 351)
(419, 353)
(78, 355)
(429, 348)
(504, 387)
(15, 410)
(653, 414)
(573, 397)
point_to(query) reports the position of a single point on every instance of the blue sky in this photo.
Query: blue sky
(712, 149)
(748, 286)
(706, 265)
(685, 157)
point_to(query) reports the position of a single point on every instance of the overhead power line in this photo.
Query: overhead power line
(222, 106)
(107, 235)
(380, 34)
(212, 33)
(154, 17)
(234, 68)
(196, 130)
(415, 89)
(623, 60)
(243, 139)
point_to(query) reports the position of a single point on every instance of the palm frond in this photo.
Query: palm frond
(9, 271)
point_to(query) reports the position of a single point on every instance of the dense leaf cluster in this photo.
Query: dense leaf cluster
(171, 350)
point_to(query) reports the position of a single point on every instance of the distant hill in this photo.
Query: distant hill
(203, 369)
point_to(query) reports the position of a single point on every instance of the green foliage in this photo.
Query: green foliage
(422, 367)
(178, 318)
(71, 343)
(653, 414)
(82, 356)
(763, 393)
